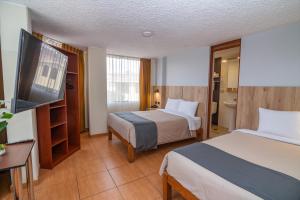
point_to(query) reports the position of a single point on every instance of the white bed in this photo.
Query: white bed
(166, 122)
(205, 185)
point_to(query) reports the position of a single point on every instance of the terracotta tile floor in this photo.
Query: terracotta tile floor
(100, 170)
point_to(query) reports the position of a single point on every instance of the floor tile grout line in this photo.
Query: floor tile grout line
(116, 185)
(97, 193)
(101, 191)
(145, 177)
(77, 187)
(117, 154)
(154, 187)
(93, 146)
(106, 170)
(153, 184)
(131, 181)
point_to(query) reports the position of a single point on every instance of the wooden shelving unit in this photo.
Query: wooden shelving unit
(58, 123)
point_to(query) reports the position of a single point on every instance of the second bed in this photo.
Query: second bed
(144, 130)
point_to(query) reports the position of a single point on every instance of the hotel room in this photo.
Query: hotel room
(153, 100)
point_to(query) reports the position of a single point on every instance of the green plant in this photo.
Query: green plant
(3, 120)
(4, 117)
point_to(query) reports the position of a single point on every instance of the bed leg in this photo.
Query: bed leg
(109, 134)
(167, 189)
(130, 153)
(199, 134)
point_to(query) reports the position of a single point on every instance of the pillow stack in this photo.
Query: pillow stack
(182, 106)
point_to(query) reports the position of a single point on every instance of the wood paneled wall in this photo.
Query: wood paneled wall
(191, 93)
(251, 98)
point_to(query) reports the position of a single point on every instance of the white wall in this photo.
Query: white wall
(154, 71)
(23, 125)
(161, 71)
(97, 94)
(188, 67)
(271, 58)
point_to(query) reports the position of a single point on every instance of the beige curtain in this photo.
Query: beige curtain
(145, 84)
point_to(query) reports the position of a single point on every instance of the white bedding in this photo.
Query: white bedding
(194, 122)
(205, 185)
(272, 136)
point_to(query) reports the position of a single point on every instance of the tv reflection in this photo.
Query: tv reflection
(49, 76)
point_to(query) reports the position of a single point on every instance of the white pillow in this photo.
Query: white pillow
(280, 123)
(188, 107)
(172, 104)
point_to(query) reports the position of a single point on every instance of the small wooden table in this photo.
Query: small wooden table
(19, 155)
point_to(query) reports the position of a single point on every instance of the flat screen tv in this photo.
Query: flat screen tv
(40, 76)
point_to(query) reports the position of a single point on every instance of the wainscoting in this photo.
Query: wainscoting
(251, 98)
(191, 93)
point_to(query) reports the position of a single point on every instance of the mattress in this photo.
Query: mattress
(273, 154)
(171, 126)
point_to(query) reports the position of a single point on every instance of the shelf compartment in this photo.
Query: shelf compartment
(57, 141)
(58, 134)
(58, 104)
(57, 116)
(59, 152)
(56, 124)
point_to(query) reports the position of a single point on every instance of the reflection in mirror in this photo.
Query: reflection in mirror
(224, 90)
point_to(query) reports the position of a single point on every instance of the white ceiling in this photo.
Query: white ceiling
(177, 24)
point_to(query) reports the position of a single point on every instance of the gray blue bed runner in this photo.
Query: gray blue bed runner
(145, 130)
(261, 181)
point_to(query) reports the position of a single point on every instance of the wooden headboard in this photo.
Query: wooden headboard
(276, 98)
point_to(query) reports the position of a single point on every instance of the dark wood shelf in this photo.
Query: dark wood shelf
(58, 116)
(57, 141)
(58, 103)
(57, 106)
(59, 151)
(73, 148)
(58, 157)
(72, 73)
(58, 135)
(58, 122)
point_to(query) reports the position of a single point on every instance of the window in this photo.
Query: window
(123, 74)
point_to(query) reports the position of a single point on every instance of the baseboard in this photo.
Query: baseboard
(98, 134)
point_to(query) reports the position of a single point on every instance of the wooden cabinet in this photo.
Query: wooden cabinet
(58, 123)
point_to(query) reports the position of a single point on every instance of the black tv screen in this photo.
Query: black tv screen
(40, 76)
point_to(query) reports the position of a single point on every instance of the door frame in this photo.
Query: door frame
(213, 49)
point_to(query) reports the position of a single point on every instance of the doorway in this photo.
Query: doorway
(223, 88)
